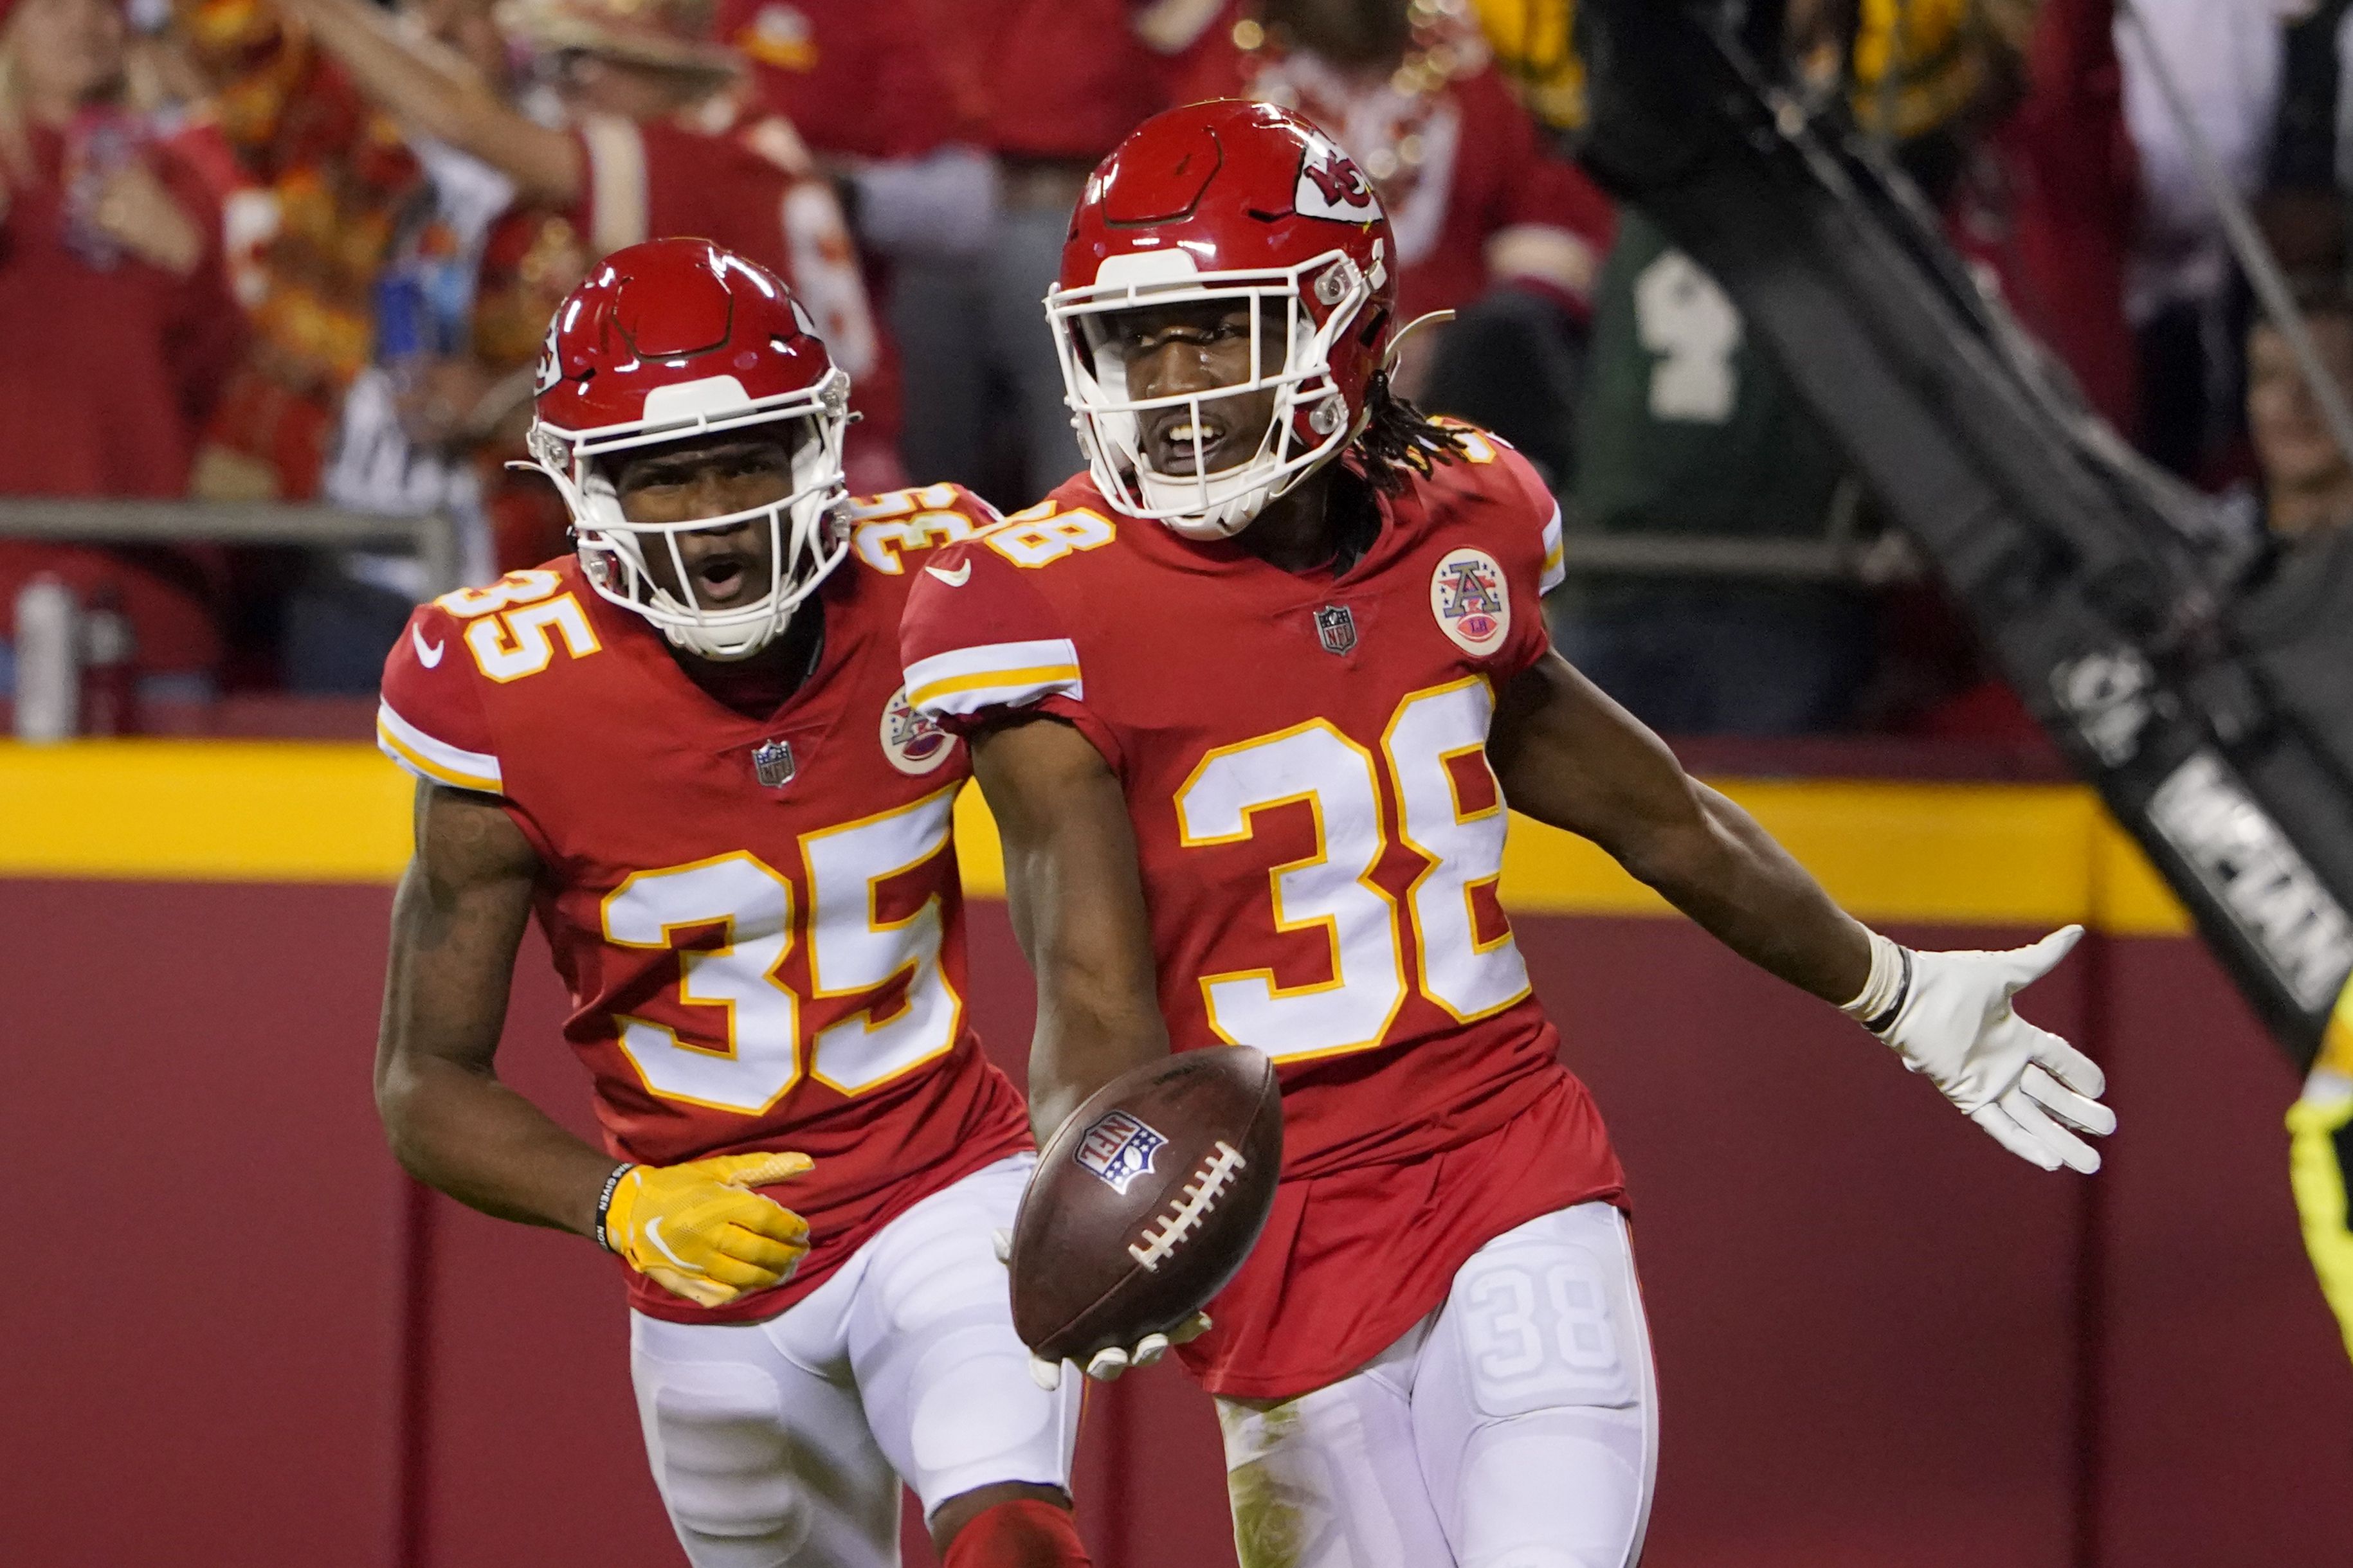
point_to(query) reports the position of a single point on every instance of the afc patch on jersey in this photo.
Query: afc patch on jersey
(914, 744)
(1468, 596)
(1117, 1150)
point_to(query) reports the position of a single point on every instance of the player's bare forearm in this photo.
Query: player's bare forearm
(430, 90)
(457, 923)
(1569, 756)
(1077, 901)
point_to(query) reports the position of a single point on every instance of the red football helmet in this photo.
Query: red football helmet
(678, 338)
(1229, 200)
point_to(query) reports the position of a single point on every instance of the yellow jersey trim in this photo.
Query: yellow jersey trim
(1009, 680)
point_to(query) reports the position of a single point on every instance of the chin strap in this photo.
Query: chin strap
(1389, 360)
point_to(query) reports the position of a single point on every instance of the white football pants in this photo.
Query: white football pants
(1515, 1427)
(786, 1441)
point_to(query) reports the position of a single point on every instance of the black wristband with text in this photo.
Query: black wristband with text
(605, 1204)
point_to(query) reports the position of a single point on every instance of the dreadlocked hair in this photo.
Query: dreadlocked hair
(1399, 440)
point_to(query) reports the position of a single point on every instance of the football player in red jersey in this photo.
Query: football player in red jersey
(1248, 699)
(686, 751)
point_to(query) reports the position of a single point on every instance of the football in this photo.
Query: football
(1145, 1202)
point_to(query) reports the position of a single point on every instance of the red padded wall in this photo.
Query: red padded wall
(201, 1316)
(1882, 1341)
(2225, 1419)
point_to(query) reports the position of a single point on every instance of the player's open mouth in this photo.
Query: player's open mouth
(720, 578)
(1173, 437)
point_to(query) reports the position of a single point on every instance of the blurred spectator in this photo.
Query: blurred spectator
(2007, 114)
(461, 305)
(2051, 197)
(314, 182)
(1048, 88)
(863, 84)
(2311, 158)
(115, 308)
(1490, 221)
(643, 139)
(1692, 429)
(1534, 43)
(2307, 478)
(2179, 294)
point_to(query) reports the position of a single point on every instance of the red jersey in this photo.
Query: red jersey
(1320, 836)
(759, 919)
(856, 76)
(1055, 79)
(116, 363)
(1485, 200)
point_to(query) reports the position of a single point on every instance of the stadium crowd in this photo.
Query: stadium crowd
(297, 250)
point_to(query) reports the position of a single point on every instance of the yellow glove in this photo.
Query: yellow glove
(697, 1229)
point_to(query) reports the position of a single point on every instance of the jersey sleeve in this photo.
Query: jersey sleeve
(976, 636)
(1532, 554)
(979, 637)
(430, 719)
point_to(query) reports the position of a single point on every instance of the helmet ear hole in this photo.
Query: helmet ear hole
(1377, 323)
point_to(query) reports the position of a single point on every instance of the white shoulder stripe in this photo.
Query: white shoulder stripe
(1556, 560)
(996, 675)
(438, 760)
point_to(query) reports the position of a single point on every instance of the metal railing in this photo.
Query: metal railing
(431, 537)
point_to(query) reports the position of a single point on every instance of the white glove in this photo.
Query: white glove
(1948, 1016)
(1106, 1366)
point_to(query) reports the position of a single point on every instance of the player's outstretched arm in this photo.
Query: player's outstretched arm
(1077, 901)
(430, 90)
(1569, 756)
(457, 923)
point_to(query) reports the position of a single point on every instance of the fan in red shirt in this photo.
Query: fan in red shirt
(1492, 222)
(685, 750)
(118, 321)
(650, 148)
(1248, 699)
(1046, 87)
(1474, 193)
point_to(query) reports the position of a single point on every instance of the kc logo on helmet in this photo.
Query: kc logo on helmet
(1331, 186)
(1117, 1148)
(550, 370)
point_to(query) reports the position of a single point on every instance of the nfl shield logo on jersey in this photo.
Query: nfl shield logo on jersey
(1468, 596)
(773, 761)
(1118, 1148)
(1336, 627)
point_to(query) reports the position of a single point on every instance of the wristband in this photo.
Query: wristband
(1886, 989)
(605, 1204)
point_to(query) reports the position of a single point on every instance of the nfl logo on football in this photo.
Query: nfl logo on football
(1118, 1148)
